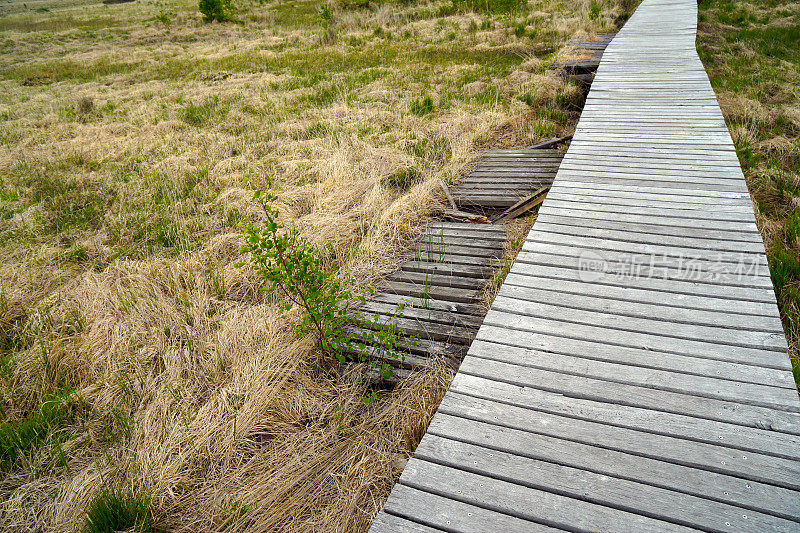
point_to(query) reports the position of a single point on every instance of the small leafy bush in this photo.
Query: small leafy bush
(328, 23)
(112, 510)
(219, 10)
(292, 265)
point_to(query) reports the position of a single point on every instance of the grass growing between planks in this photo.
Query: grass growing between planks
(132, 137)
(751, 54)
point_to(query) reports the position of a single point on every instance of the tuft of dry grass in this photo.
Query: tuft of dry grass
(132, 138)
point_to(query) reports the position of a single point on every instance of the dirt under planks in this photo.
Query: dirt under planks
(503, 177)
(441, 287)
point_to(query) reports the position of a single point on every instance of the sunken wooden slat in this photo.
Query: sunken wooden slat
(434, 297)
(503, 177)
(632, 373)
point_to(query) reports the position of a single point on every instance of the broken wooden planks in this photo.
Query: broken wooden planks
(584, 57)
(440, 288)
(504, 177)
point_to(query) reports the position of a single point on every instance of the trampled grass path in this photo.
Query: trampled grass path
(632, 373)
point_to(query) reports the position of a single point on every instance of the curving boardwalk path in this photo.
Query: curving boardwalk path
(632, 373)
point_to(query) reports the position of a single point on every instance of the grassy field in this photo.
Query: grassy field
(750, 51)
(145, 379)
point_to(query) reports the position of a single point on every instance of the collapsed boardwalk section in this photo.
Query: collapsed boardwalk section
(632, 373)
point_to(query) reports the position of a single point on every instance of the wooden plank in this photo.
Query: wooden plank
(463, 215)
(465, 233)
(422, 313)
(528, 276)
(524, 502)
(424, 280)
(607, 491)
(550, 142)
(430, 303)
(501, 433)
(447, 194)
(496, 230)
(447, 269)
(736, 437)
(616, 372)
(622, 394)
(434, 292)
(593, 350)
(602, 326)
(394, 524)
(523, 206)
(452, 515)
(567, 267)
(432, 251)
(433, 239)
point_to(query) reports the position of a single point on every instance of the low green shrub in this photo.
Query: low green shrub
(219, 10)
(293, 266)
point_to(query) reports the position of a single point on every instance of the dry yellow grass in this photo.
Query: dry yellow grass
(132, 138)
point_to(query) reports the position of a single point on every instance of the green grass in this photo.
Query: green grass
(116, 510)
(20, 437)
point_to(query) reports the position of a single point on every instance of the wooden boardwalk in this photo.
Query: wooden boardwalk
(632, 373)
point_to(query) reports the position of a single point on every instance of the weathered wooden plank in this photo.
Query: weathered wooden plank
(524, 502)
(567, 267)
(736, 437)
(593, 350)
(633, 396)
(616, 372)
(434, 251)
(447, 269)
(425, 280)
(590, 211)
(435, 239)
(395, 524)
(598, 325)
(653, 228)
(601, 489)
(434, 292)
(648, 306)
(527, 276)
(495, 426)
(624, 234)
(429, 303)
(452, 515)
(471, 233)
(716, 260)
(422, 313)
(496, 230)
